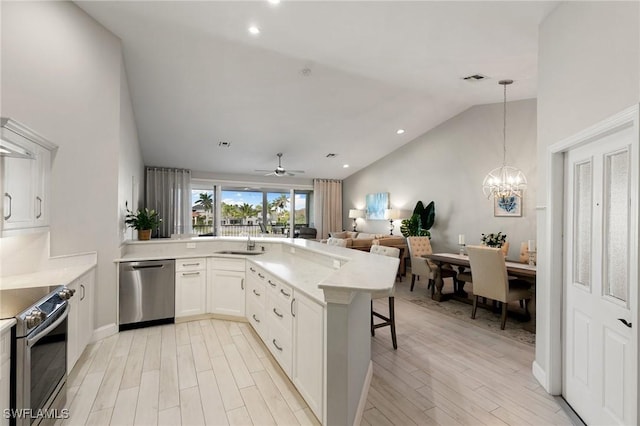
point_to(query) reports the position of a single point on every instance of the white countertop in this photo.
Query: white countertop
(301, 273)
(6, 324)
(310, 269)
(49, 277)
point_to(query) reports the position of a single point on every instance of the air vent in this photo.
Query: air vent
(331, 155)
(475, 77)
(224, 144)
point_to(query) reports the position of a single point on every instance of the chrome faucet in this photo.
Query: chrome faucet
(250, 244)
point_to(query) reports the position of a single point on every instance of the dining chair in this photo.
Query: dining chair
(490, 280)
(387, 321)
(338, 242)
(422, 267)
(464, 275)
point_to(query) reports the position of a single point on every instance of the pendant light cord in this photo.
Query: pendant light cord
(504, 127)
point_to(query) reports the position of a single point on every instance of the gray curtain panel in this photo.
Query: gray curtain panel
(168, 191)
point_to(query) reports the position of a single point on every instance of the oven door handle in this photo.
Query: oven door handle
(33, 340)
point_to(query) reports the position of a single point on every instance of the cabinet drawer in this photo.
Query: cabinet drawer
(228, 264)
(279, 314)
(279, 343)
(257, 272)
(256, 292)
(284, 293)
(255, 315)
(194, 264)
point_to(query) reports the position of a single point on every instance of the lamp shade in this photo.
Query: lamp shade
(393, 214)
(355, 213)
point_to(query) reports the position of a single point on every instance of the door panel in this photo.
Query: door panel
(600, 352)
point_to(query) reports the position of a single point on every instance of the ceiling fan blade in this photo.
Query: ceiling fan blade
(296, 171)
(263, 170)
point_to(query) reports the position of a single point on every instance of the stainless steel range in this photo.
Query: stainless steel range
(39, 357)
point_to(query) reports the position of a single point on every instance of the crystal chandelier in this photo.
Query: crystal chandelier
(505, 181)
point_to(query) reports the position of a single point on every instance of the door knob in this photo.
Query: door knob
(624, 321)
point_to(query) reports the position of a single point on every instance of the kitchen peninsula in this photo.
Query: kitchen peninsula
(318, 294)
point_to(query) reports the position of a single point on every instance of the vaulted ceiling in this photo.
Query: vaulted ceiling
(321, 76)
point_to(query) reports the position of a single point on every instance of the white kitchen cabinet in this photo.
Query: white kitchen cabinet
(308, 351)
(255, 307)
(25, 180)
(191, 287)
(42, 179)
(226, 287)
(5, 372)
(80, 322)
(18, 194)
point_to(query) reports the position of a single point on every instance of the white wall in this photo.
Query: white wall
(61, 76)
(131, 170)
(589, 70)
(447, 165)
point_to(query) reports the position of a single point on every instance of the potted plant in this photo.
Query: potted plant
(143, 221)
(420, 221)
(494, 240)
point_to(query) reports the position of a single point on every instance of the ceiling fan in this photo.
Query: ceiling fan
(280, 171)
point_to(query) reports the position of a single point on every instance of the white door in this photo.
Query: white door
(600, 279)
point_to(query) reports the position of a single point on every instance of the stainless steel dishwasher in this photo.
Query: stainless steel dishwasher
(147, 293)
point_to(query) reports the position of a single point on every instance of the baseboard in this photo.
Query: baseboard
(540, 375)
(364, 395)
(210, 316)
(104, 331)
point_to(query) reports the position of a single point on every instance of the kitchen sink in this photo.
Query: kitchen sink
(240, 252)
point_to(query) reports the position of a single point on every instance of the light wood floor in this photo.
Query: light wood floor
(445, 372)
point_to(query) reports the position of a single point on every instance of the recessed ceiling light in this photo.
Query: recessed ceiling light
(345, 166)
(254, 30)
(274, 1)
(400, 131)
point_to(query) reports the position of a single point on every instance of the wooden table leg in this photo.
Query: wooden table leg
(437, 296)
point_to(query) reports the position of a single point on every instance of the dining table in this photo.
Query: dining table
(523, 271)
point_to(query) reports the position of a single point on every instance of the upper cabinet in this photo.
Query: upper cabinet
(26, 168)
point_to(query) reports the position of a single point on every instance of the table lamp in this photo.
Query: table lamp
(355, 214)
(392, 214)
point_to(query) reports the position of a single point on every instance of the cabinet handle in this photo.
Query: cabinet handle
(6, 194)
(255, 319)
(252, 269)
(272, 283)
(285, 293)
(242, 284)
(292, 313)
(191, 264)
(82, 287)
(276, 345)
(260, 275)
(190, 273)
(39, 215)
(256, 293)
(277, 313)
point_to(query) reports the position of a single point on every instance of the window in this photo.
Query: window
(238, 210)
(203, 210)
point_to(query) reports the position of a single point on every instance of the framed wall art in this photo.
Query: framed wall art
(376, 205)
(507, 206)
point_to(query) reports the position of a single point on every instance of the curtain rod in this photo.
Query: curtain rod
(167, 169)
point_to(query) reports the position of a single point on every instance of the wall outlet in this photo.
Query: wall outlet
(292, 250)
(336, 263)
(191, 245)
